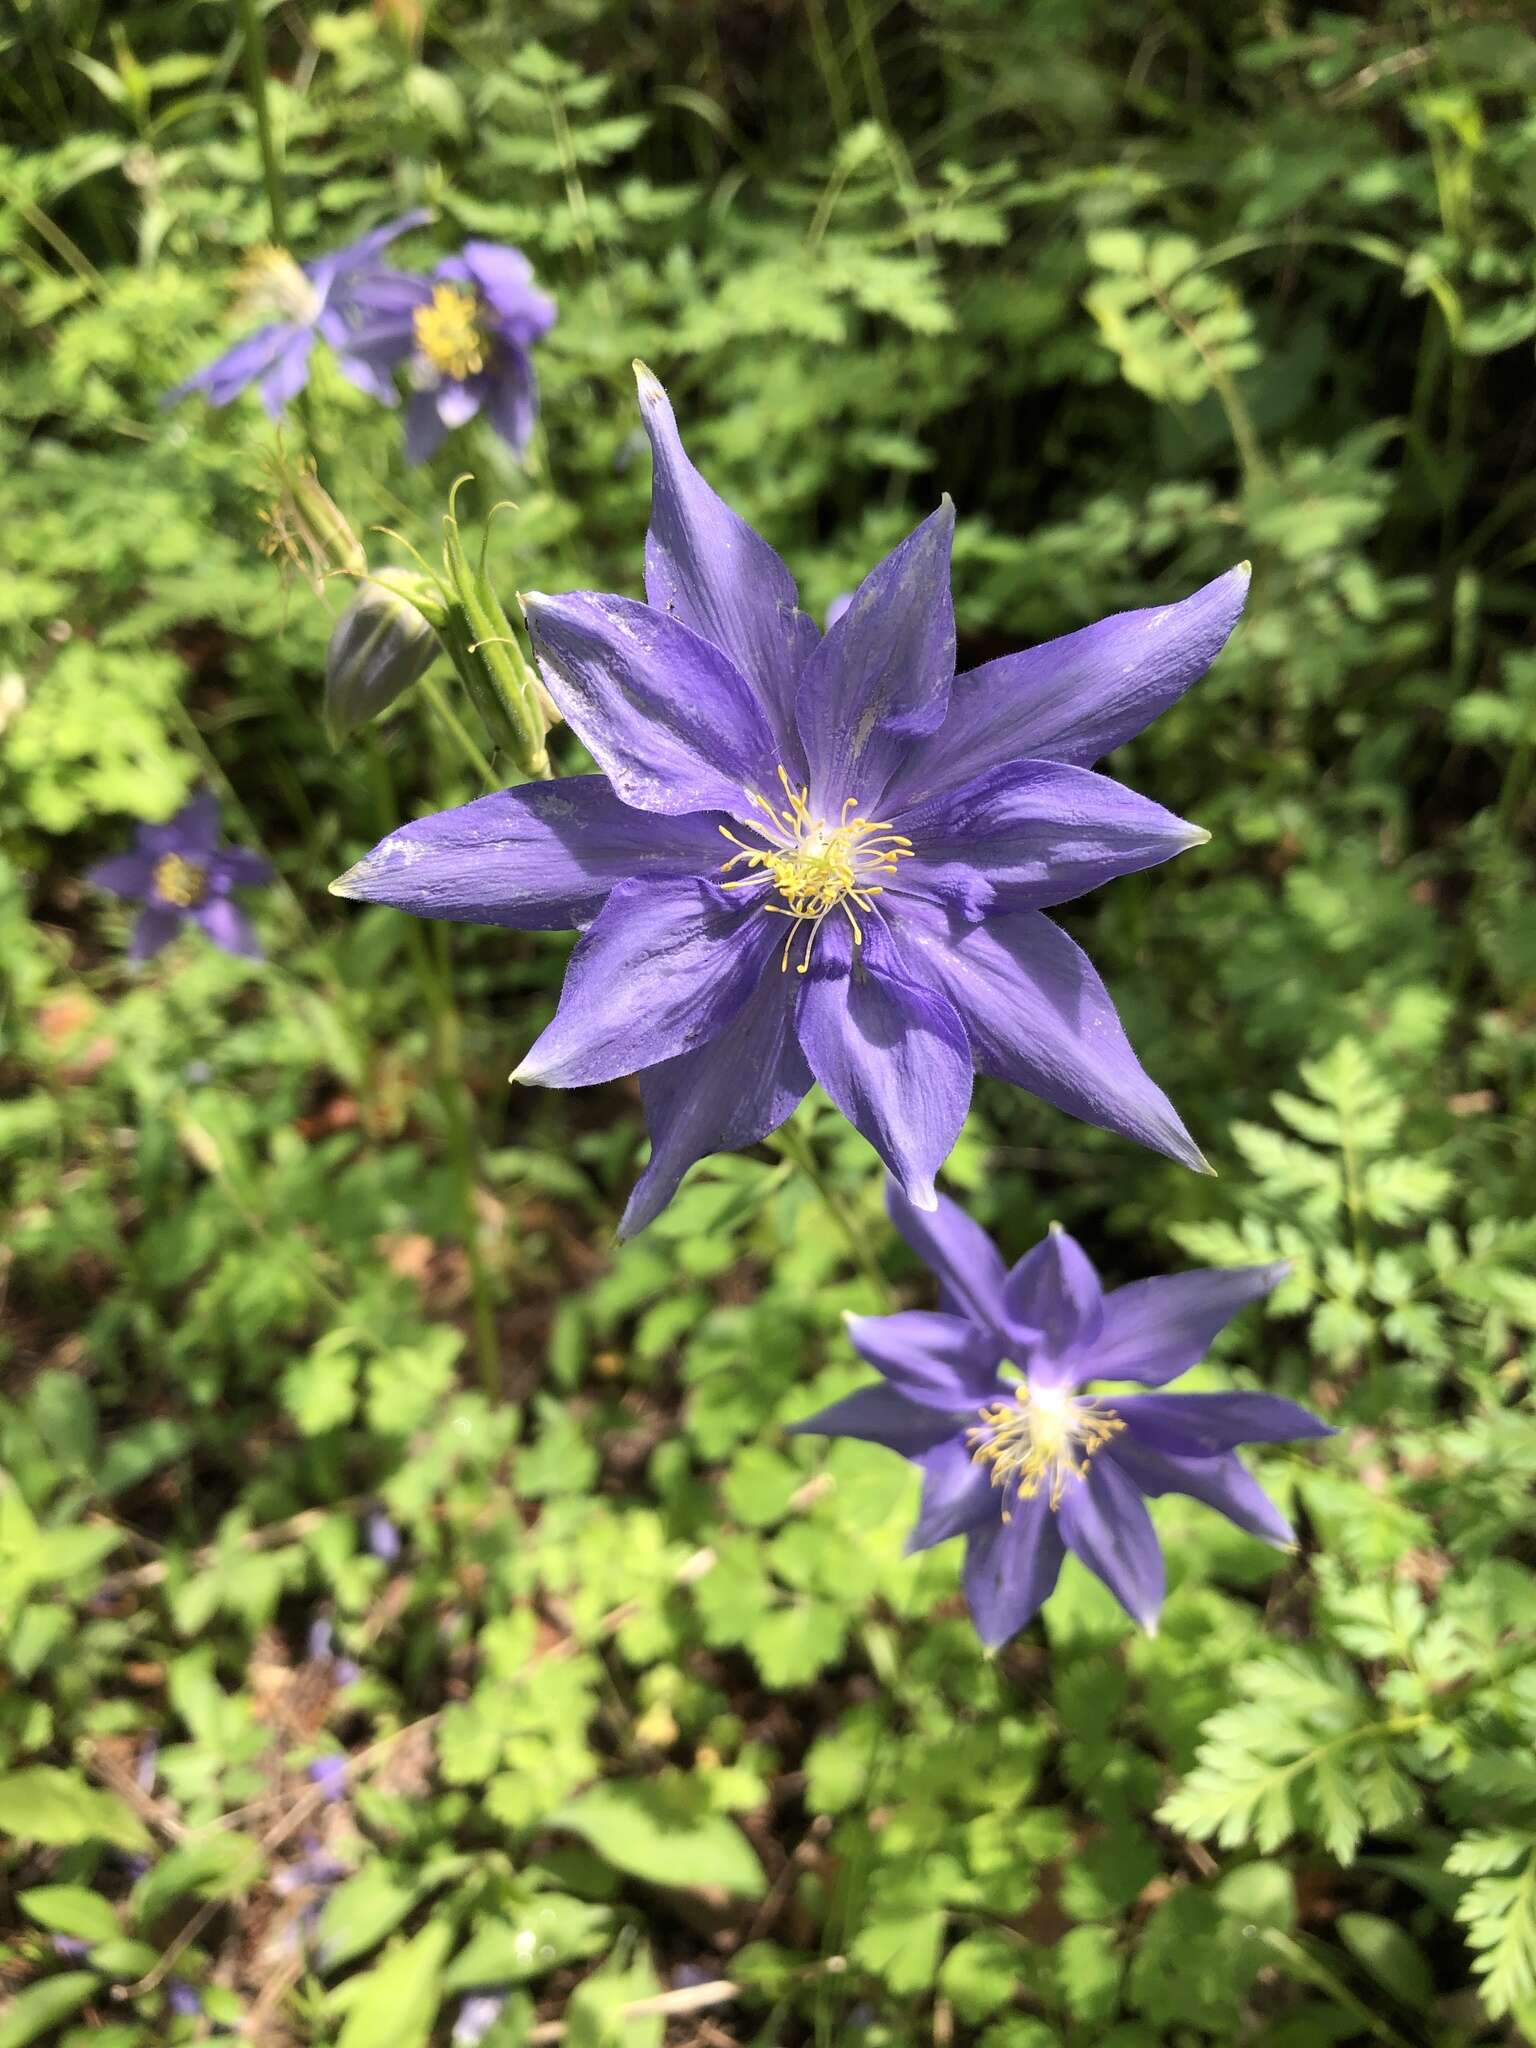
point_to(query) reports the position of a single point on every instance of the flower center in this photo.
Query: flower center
(271, 286)
(449, 334)
(1042, 1437)
(182, 882)
(816, 867)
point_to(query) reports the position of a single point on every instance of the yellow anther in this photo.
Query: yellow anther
(449, 334)
(1043, 1437)
(815, 868)
(179, 881)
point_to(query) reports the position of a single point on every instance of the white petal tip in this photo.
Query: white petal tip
(648, 383)
(924, 1197)
(1245, 570)
(343, 884)
(1151, 1629)
(1198, 836)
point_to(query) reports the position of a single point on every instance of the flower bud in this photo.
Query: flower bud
(486, 652)
(383, 642)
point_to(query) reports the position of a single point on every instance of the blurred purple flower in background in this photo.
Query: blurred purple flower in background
(383, 1537)
(182, 874)
(318, 299)
(466, 336)
(1028, 1468)
(329, 1773)
(184, 2002)
(477, 2015)
(841, 805)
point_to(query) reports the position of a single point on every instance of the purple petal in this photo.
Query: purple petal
(1156, 1329)
(889, 1051)
(1205, 1425)
(154, 930)
(329, 1775)
(339, 264)
(229, 374)
(458, 400)
(729, 1093)
(289, 372)
(1105, 1523)
(1011, 1569)
(542, 857)
(957, 1251)
(1222, 1483)
(707, 567)
(1037, 1014)
(1028, 834)
(837, 607)
(1077, 698)
(125, 874)
(877, 1415)
(367, 374)
(1055, 1291)
(667, 715)
(228, 927)
(195, 827)
(881, 676)
(505, 279)
(512, 401)
(940, 1361)
(237, 867)
(424, 431)
(958, 1495)
(665, 967)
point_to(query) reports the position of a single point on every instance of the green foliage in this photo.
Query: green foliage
(649, 1692)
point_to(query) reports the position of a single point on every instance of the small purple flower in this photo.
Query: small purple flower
(383, 1537)
(319, 1641)
(477, 2015)
(70, 1947)
(182, 1999)
(329, 1773)
(182, 874)
(309, 299)
(1029, 1467)
(466, 335)
(841, 805)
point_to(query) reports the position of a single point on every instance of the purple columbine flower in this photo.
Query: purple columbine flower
(816, 856)
(1028, 1467)
(308, 299)
(383, 1537)
(466, 336)
(182, 874)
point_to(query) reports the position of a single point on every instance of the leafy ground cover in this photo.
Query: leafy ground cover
(414, 1619)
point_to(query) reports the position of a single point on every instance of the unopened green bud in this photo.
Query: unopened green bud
(489, 657)
(382, 644)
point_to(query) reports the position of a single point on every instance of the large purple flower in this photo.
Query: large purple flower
(466, 335)
(309, 299)
(1025, 1465)
(819, 857)
(181, 873)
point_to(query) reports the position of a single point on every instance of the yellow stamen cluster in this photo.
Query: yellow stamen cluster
(1042, 1437)
(182, 882)
(270, 285)
(816, 867)
(449, 333)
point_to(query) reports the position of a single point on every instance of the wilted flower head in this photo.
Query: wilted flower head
(301, 301)
(182, 874)
(466, 335)
(1024, 1464)
(379, 647)
(813, 856)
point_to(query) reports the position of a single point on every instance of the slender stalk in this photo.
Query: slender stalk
(256, 87)
(790, 1143)
(432, 979)
(462, 737)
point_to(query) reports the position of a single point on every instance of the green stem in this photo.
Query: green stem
(432, 979)
(256, 86)
(462, 737)
(791, 1144)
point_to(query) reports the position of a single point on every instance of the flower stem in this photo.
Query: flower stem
(432, 979)
(256, 87)
(791, 1144)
